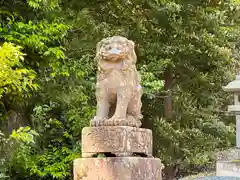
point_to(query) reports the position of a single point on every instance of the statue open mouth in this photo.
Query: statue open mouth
(115, 51)
(114, 55)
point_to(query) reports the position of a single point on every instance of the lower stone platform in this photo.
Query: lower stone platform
(118, 168)
(228, 163)
(228, 168)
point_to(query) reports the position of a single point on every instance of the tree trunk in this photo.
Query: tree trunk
(18, 118)
(170, 172)
(167, 87)
(17, 115)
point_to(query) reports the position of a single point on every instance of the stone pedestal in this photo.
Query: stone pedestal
(117, 168)
(116, 140)
(228, 163)
(126, 154)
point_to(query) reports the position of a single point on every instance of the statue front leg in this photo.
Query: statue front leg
(102, 110)
(102, 107)
(134, 108)
(123, 98)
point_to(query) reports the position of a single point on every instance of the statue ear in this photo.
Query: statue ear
(133, 55)
(131, 44)
(98, 47)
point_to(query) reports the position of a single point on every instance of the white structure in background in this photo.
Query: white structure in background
(234, 87)
(228, 162)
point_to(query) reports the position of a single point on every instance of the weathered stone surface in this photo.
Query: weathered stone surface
(118, 89)
(118, 168)
(116, 122)
(229, 155)
(228, 168)
(228, 163)
(116, 139)
(115, 128)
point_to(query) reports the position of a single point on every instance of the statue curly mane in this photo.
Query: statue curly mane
(128, 57)
(117, 78)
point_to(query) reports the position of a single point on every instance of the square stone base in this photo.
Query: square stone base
(226, 168)
(228, 163)
(118, 168)
(116, 140)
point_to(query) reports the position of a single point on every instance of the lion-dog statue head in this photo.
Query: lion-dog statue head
(118, 90)
(116, 49)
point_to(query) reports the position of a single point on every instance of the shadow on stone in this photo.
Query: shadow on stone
(140, 154)
(106, 154)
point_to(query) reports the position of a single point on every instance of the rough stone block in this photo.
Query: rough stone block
(228, 163)
(229, 155)
(118, 168)
(116, 140)
(228, 168)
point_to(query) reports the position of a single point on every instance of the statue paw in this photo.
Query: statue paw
(92, 123)
(138, 123)
(132, 121)
(97, 122)
(113, 121)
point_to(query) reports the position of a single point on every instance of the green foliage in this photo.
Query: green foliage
(39, 39)
(24, 135)
(47, 5)
(191, 46)
(3, 157)
(101, 156)
(150, 82)
(14, 78)
(16, 152)
(27, 160)
(193, 40)
(57, 146)
(55, 163)
(22, 159)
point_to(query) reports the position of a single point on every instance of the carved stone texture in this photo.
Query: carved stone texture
(228, 163)
(118, 140)
(228, 168)
(229, 155)
(118, 168)
(118, 89)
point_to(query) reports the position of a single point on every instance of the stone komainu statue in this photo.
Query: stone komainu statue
(118, 90)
